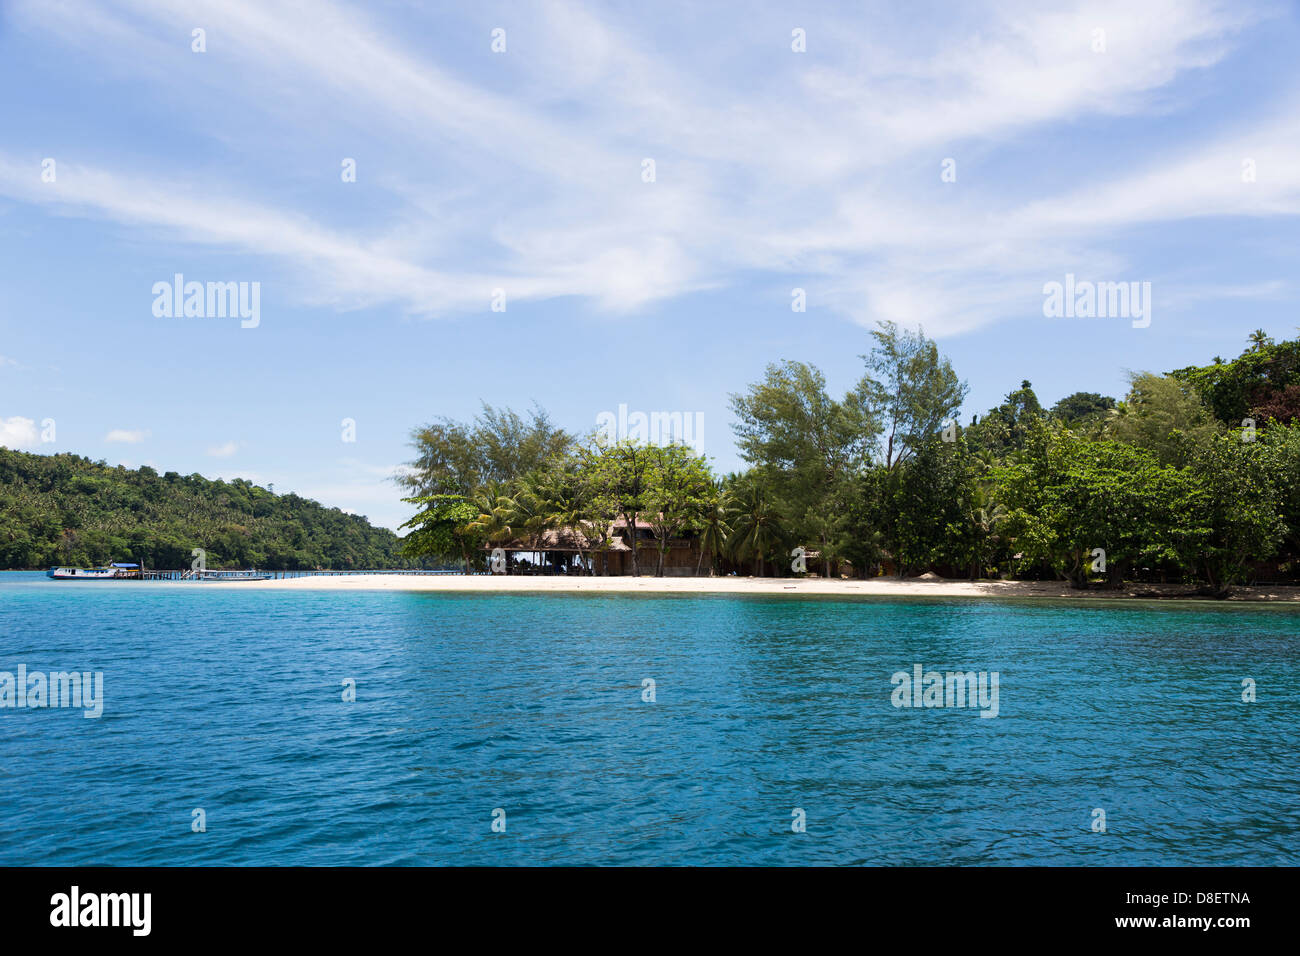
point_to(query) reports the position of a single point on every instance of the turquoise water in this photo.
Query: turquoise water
(231, 701)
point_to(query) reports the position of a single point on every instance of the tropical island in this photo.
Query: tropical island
(1187, 485)
(1192, 479)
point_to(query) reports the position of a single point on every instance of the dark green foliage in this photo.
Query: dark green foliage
(1263, 382)
(1153, 488)
(1004, 429)
(1082, 408)
(65, 509)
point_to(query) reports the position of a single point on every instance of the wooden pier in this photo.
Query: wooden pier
(190, 575)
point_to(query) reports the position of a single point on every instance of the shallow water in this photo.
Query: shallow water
(231, 701)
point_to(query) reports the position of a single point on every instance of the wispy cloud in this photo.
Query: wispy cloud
(224, 450)
(127, 436)
(810, 173)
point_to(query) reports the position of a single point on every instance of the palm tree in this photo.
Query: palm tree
(985, 515)
(491, 502)
(756, 528)
(571, 505)
(532, 508)
(715, 525)
(1259, 339)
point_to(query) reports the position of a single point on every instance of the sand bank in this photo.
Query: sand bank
(875, 587)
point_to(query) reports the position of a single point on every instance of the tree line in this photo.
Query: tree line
(1192, 477)
(68, 510)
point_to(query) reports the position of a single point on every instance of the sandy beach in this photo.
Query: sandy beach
(875, 587)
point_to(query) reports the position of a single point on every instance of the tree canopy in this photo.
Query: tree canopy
(65, 509)
(1166, 485)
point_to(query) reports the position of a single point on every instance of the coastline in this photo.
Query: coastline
(874, 587)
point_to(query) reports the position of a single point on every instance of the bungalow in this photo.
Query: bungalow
(572, 550)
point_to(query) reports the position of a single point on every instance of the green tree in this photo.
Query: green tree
(1238, 507)
(1159, 413)
(680, 483)
(498, 445)
(758, 530)
(714, 522)
(913, 387)
(444, 528)
(621, 476)
(923, 520)
(1082, 408)
(1077, 503)
(1263, 382)
(1005, 429)
(807, 445)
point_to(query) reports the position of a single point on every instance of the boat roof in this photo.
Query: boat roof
(124, 565)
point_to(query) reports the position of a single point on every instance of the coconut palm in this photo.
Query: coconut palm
(715, 525)
(493, 506)
(531, 509)
(985, 516)
(757, 528)
(491, 503)
(571, 506)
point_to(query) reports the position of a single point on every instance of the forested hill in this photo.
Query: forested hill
(65, 509)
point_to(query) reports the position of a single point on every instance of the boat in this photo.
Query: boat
(250, 575)
(111, 572)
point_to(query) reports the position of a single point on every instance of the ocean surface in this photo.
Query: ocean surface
(528, 710)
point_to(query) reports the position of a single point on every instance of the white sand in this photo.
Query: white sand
(879, 587)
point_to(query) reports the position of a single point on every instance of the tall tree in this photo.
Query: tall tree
(913, 386)
(1077, 503)
(1005, 429)
(806, 444)
(497, 445)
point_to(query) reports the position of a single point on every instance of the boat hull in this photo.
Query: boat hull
(86, 574)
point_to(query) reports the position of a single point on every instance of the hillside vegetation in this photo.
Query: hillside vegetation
(65, 509)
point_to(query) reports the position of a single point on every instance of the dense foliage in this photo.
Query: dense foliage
(1192, 477)
(65, 509)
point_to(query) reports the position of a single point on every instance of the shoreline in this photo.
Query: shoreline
(822, 587)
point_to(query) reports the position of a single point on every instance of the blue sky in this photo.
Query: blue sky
(1115, 155)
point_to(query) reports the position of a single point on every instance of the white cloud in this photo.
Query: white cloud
(224, 450)
(18, 432)
(129, 436)
(791, 165)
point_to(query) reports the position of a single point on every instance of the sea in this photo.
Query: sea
(324, 728)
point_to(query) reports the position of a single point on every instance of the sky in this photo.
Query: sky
(591, 205)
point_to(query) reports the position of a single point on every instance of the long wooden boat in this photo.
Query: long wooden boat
(111, 572)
